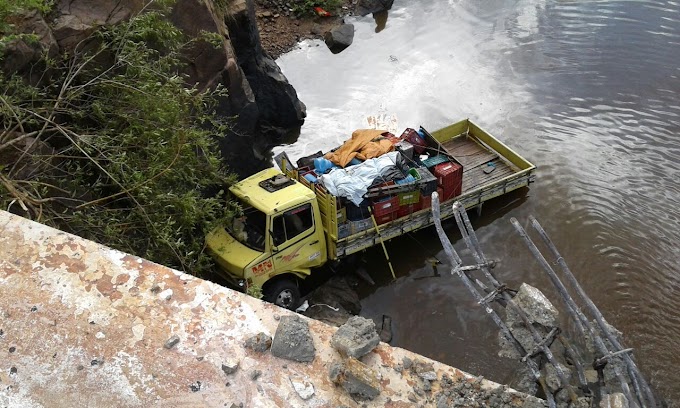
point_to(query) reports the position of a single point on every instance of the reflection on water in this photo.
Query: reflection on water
(587, 90)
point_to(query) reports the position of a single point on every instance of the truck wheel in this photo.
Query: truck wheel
(283, 293)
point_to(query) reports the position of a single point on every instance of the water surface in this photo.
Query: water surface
(588, 91)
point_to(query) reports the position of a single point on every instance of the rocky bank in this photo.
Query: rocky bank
(265, 107)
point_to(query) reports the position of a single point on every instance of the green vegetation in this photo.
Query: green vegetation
(120, 150)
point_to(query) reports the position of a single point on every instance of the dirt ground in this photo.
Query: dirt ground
(280, 29)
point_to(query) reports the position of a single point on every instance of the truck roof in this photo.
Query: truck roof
(271, 202)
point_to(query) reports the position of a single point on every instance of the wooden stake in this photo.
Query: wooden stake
(377, 230)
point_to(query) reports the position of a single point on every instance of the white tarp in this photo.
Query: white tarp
(354, 181)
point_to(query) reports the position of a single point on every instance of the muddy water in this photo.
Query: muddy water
(587, 90)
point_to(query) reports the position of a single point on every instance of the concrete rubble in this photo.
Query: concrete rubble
(355, 377)
(292, 340)
(91, 303)
(355, 338)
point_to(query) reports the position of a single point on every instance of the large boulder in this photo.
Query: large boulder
(339, 38)
(365, 7)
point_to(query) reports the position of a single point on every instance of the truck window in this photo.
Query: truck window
(249, 228)
(292, 223)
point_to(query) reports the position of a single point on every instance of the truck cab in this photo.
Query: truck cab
(275, 241)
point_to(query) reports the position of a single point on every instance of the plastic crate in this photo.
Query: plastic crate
(343, 230)
(411, 136)
(435, 160)
(426, 200)
(450, 178)
(407, 209)
(385, 206)
(386, 218)
(428, 182)
(360, 225)
(405, 148)
(409, 197)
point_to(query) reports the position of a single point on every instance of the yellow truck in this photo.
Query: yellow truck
(290, 227)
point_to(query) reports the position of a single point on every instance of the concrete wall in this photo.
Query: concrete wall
(84, 325)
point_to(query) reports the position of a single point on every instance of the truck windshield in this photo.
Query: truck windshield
(249, 228)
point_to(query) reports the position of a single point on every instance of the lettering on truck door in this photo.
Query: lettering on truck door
(293, 237)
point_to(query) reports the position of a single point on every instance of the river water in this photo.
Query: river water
(586, 90)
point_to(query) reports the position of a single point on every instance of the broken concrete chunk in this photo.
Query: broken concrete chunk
(259, 342)
(304, 388)
(292, 340)
(230, 366)
(552, 379)
(355, 338)
(172, 342)
(535, 305)
(616, 400)
(428, 376)
(359, 380)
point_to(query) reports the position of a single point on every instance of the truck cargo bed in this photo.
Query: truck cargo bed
(468, 144)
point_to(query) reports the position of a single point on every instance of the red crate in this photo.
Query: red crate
(407, 209)
(426, 200)
(385, 206)
(411, 136)
(450, 179)
(386, 218)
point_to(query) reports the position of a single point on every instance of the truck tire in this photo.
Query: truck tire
(282, 292)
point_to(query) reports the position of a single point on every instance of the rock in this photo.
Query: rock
(196, 387)
(292, 340)
(407, 362)
(386, 330)
(355, 338)
(359, 380)
(338, 294)
(230, 366)
(428, 376)
(551, 377)
(523, 381)
(535, 305)
(172, 342)
(365, 7)
(304, 389)
(255, 374)
(616, 400)
(259, 342)
(339, 38)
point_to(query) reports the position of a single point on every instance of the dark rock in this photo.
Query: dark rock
(292, 340)
(408, 363)
(338, 294)
(339, 38)
(356, 378)
(172, 342)
(386, 330)
(259, 342)
(12, 349)
(13, 370)
(96, 362)
(355, 338)
(230, 366)
(255, 374)
(196, 387)
(365, 7)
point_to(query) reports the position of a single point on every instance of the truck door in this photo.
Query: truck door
(295, 241)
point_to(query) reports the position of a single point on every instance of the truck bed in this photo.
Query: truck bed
(470, 146)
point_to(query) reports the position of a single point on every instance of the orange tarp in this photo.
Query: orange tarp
(364, 144)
